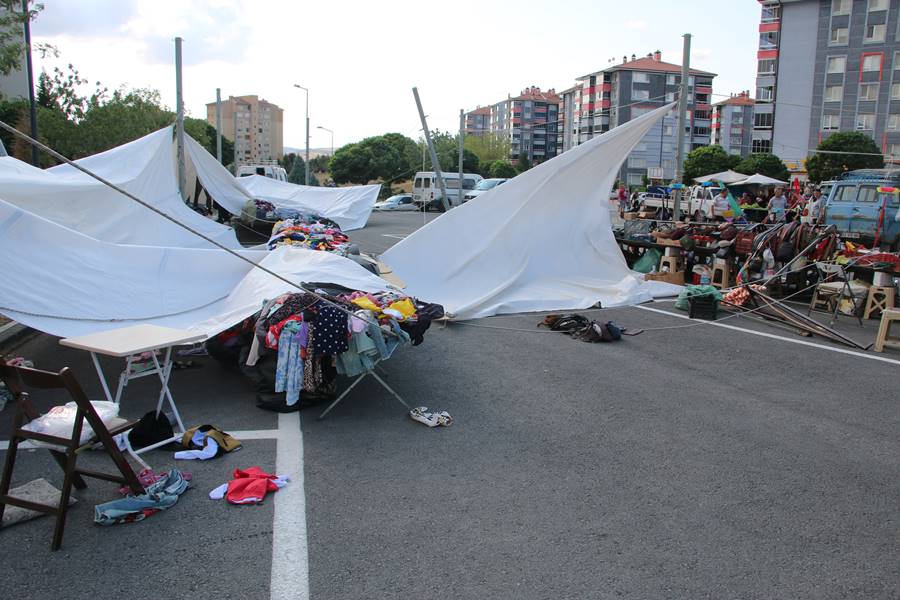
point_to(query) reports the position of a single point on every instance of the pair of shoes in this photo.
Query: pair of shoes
(275, 403)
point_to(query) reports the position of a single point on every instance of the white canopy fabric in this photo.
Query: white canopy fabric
(541, 241)
(74, 200)
(349, 207)
(65, 283)
(759, 179)
(726, 177)
(218, 181)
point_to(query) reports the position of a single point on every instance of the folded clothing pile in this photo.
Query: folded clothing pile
(311, 232)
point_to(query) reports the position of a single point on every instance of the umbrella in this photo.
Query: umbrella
(727, 177)
(759, 179)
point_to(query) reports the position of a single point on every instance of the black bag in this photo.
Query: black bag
(152, 428)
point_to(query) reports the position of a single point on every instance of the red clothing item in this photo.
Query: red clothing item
(250, 486)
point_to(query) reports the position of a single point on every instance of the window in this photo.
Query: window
(766, 65)
(834, 93)
(640, 94)
(865, 121)
(426, 182)
(640, 78)
(635, 179)
(768, 40)
(836, 64)
(893, 123)
(894, 152)
(877, 5)
(670, 80)
(868, 91)
(761, 146)
(844, 193)
(668, 130)
(701, 130)
(831, 122)
(839, 36)
(670, 96)
(635, 162)
(875, 33)
(764, 93)
(895, 91)
(867, 193)
(668, 164)
(762, 120)
(770, 13)
(872, 62)
(841, 7)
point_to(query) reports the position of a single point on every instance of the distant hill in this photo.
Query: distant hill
(313, 152)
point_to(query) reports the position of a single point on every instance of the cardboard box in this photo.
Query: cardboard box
(676, 277)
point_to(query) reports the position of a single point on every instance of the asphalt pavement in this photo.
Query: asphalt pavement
(725, 460)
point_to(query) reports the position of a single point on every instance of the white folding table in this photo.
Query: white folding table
(127, 342)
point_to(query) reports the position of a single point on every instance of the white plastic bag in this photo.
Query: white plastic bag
(60, 420)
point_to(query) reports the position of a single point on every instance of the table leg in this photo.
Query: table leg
(103, 378)
(164, 373)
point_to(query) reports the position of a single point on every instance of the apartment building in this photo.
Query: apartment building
(255, 125)
(527, 120)
(615, 95)
(732, 123)
(826, 66)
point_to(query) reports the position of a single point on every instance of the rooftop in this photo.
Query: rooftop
(535, 94)
(652, 62)
(739, 99)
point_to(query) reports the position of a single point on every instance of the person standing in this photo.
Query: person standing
(815, 206)
(623, 200)
(777, 205)
(721, 206)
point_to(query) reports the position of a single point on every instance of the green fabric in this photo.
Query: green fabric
(648, 261)
(695, 290)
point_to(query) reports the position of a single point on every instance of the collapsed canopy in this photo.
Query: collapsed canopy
(541, 241)
(759, 179)
(728, 176)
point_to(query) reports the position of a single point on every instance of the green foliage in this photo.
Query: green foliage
(765, 163)
(45, 96)
(825, 166)
(352, 163)
(12, 42)
(390, 157)
(10, 112)
(297, 174)
(524, 163)
(499, 168)
(205, 134)
(319, 164)
(488, 147)
(708, 160)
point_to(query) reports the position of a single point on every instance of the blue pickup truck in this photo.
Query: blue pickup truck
(859, 210)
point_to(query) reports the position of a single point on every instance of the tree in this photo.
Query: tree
(708, 160)
(524, 163)
(205, 135)
(862, 153)
(45, 96)
(297, 173)
(500, 168)
(12, 42)
(319, 164)
(764, 163)
(488, 147)
(352, 164)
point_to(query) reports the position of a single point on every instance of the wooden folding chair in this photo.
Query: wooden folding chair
(66, 449)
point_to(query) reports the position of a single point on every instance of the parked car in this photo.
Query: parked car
(483, 186)
(398, 202)
(272, 171)
(427, 192)
(859, 211)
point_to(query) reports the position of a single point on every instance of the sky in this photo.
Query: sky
(360, 59)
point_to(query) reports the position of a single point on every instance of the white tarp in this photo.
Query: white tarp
(759, 179)
(74, 200)
(541, 241)
(218, 181)
(725, 177)
(349, 207)
(65, 283)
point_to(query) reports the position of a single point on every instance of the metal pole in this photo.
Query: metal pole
(219, 124)
(35, 156)
(307, 137)
(462, 132)
(179, 119)
(435, 164)
(332, 137)
(682, 121)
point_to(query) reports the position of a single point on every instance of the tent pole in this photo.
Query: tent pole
(219, 124)
(435, 164)
(179, 118)
(462, 132)
(682, 122)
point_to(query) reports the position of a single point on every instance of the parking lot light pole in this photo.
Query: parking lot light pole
(307, 130)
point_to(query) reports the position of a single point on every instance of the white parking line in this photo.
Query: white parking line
(779, 337)
(290, 554)
(394, 235)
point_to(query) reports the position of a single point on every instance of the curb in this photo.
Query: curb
(12, 333)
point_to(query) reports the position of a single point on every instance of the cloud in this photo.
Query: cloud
(635, 24)
(87, 18)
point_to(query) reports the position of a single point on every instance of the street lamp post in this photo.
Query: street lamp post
(332, 136)
(307, 130)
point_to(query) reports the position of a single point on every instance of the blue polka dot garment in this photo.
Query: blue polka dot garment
(331, 331)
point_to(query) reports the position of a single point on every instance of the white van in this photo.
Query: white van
(427, 192)
(271, 171)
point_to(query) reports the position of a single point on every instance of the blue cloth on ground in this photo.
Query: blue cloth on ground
(158, 496)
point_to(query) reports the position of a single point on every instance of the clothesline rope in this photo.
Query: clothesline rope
(202, 236)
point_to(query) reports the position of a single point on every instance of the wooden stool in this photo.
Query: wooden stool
(673, 262)
(721, 274)
(879, 300)
(884, 337)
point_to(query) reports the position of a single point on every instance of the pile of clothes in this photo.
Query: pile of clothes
(296, 346)
(261, 209)
(309, 231)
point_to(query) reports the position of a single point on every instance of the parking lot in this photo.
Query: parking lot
(695, 460)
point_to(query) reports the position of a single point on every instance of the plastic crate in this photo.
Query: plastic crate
(703, 307)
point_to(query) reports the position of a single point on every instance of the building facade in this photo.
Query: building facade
(255, 125)
(608, 98)
(528, 121)
(826, 66)
(15, 84)
(732, 124)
